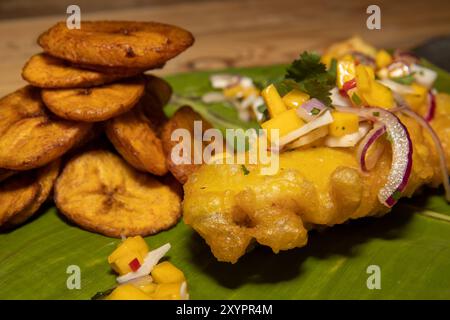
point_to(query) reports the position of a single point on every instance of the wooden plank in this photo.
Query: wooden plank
(247, 32)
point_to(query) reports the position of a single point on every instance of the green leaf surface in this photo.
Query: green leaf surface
(411, 247)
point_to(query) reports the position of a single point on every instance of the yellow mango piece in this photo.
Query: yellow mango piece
(383, 59)
(167, 291)
(345, 71)
(128, 292)
(417, 99)
(232, 91)
(274, 103)
(136, 244)
(131, 248)
(285, 122)
(148, 288)
(165, 272)
(295, 98)
(365, 76)
(379, 96)
(121, 265)
(343, 123)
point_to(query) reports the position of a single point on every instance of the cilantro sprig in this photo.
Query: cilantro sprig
(309, 75)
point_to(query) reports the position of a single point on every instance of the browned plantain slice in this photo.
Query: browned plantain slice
(134, 135)
(45, 178)
(100, 192)
(29, 136)
(5, 174)
(17, 194)
(182, 119)
(125, 44)
(94, 104)
(158, 88)
(46, 71)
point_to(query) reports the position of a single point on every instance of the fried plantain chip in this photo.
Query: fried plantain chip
(45, 71)
(100, 192)
(158, 88)
(135, 136)
(5, 174)
(17, 194)
(29, 136)
(94, 104)
(182, 119)
(45, 178)
(125, 44)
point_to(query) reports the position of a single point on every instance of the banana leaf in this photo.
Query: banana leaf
(410, 245)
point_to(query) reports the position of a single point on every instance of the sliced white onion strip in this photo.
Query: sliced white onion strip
(184, 295)
(349, 140)
(368, 164)
(150, 261)
(308, 138)
(338, 100)
(213, 96)
(424, 76)
(323, 120)
(401, 152)
(438, 146)
(222, 81)
(397, 87)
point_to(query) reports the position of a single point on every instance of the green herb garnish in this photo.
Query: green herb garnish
(245, 170)
(102, 294)
(376, 114)
(315, 111)
(356, 99)
(309, 75)
(396, 195)
(406, 80)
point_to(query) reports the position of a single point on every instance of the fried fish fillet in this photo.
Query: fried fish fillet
(102, 193)
(30, 137)
(45, 71)
(124, 44)
(94, 104)
(314, 187)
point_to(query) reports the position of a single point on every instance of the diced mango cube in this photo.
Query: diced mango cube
(417, 99)
(343, 123)
(383, 59)
(365, 76)
(148, 288)
(130, 249)
(240, 91)
(165, 272)
(167, 291)
(295, 98)
(128, 292)
(379, 96)
(285, 122)
(345, 71)
(274, 103)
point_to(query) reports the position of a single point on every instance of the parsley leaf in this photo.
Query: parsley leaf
(309, 75)
(245, 170)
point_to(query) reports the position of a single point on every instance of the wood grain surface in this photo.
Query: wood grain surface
(246, 32)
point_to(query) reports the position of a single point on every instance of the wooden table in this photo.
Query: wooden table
(246, 32)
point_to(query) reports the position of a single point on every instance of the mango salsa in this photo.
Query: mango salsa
(285, 122)
(370, 91)
(130, 249)
(417, 99)
(274, 103)
(165, 272)
(345, 71)
(343, 123)
(383, 59)
(295, 98)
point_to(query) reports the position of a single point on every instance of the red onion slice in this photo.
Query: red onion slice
(311, 109)
(438, 146)
(373, 135)
(401, 152)
(431, 106)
